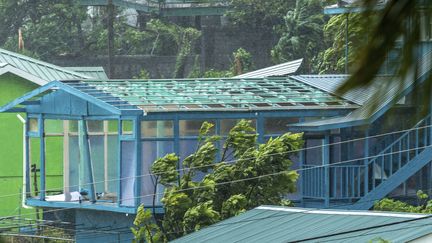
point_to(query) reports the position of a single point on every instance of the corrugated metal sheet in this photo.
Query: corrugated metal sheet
(377, 104)
(330, 83)
(38, 68)
(282, 224)
(94, 72)
(277, 70)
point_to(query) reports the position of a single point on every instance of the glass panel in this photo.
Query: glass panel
(151, 150)
(227, 124)
(112, 181)
(157, 129)
(73, 126)
(33, 125)
(127, 173)
(278, 125)
(74, 160)
(113, 126)
(54, 165)
(127, 127)
(53, 126)
(192, 127)
(94, 126)
(97, 159)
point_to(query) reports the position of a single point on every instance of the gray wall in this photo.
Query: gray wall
(214, 51)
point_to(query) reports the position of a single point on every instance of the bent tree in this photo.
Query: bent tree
(214, 184)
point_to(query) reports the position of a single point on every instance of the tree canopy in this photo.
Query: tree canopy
(206, 189)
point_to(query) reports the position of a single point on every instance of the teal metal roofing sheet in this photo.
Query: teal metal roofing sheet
(377, 104)
(282, 69)
(283, 224)
(93, 72)
(330, 83)
(43, 70)
(281, 93)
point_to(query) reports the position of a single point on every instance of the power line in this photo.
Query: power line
(277, 173)
(252, 178)
(245, 159)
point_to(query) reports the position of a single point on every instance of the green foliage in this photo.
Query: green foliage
(144, 74)
(332, 60)
(144, 229)
(257, 14)
(424, 205)
(260, 175)
(302, 34)
(399, 20)
(183, 39)
(242, 62)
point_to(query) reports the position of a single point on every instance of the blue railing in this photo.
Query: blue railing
(345, 181)
(398, 153)
(355, 180)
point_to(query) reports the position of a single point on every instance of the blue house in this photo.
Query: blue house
(113, 130)
(359, 147)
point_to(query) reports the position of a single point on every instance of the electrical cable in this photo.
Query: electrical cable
(245, 159)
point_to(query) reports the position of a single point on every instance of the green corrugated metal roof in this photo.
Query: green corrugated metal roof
(94, 72)
(283, 224)
(43, 70)
(212, 94)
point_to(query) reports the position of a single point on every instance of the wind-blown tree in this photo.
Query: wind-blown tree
(247, 175)
(302, 35)
(332, 60)
(257, 14)
(396, 20)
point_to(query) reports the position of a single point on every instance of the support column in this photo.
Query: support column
(42, 158)
(326, 163)
(66, 167)
(106, 174)
(138, 160)
(260, 128)
(85, 158)
(27, 159)
(366, 163)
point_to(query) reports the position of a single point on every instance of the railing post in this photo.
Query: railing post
(366, 162)
(326, 163)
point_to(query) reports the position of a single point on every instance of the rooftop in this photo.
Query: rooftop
(210, 94)
(284, 224)
(41, 69)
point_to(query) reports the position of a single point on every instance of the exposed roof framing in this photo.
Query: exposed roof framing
(210, 94)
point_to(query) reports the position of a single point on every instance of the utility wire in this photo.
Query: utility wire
(250, 178)
(276, 173)
(245, 159)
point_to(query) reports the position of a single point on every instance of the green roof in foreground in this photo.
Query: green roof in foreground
(211, 94)
(284, 224)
